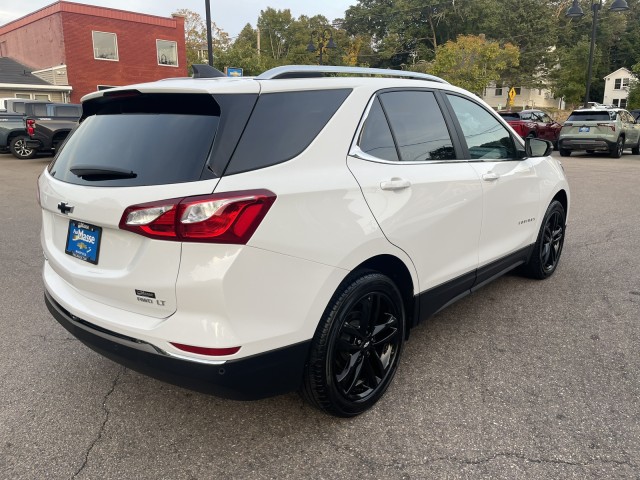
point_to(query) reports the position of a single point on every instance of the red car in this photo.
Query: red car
(533, 123)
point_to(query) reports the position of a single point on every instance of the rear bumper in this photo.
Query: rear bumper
(586, 144)
(271, 373)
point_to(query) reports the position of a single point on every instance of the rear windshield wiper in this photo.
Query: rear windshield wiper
(96, 172)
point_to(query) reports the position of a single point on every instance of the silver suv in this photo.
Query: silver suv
(595, 130)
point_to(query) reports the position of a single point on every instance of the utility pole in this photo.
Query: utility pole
(258, 28)
(209, 37)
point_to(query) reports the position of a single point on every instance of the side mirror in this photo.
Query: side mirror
(536, 147)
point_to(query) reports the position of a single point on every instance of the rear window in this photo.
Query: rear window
(509, 116)
(67, 111)
(282, 125)
(594, 116)
(143, 139)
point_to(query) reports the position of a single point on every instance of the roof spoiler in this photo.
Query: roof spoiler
(205, 71)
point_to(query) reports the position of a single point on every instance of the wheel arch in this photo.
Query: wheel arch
(561, 196)
(399, 273)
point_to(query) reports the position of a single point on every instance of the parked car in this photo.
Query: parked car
(635, 114)
(600, 130)
(13, 133)
(533, 123)
(48, 130)
(253, 236)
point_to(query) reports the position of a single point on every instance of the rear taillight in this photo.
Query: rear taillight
(31, 126)
(216, 218)
(567, 124)
(612, 126)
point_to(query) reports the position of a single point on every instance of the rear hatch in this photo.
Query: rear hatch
(131, 148)
(590, 123)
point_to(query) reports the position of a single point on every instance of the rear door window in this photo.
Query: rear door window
(418, 126)
(376, 139)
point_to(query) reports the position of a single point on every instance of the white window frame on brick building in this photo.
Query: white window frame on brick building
(101, 52)
(167, 52)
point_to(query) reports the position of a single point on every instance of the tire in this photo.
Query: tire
(617, 149)
(590, 151)
(19, 149)
(548, 247)
(531, 135)
(352, 360)
(565, 152)
(636, 150)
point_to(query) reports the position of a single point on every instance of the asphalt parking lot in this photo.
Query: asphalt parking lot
(523, 379)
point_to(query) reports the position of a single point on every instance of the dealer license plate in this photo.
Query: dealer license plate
(83, 241)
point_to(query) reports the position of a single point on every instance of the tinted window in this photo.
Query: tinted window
(418, 126)
(161, 146)
(509, 116)
(376, 139)
(67, 111)
(39, 109)
(486, 137)
(282, 125)
(591, 116)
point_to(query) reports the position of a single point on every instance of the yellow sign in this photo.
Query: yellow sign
(512, 94)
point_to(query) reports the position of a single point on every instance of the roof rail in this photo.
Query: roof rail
(305, 71)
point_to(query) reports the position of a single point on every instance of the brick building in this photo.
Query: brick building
(91, 48)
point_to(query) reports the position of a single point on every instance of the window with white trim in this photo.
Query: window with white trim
(24, 95)
(623, 103)
(167, 52)
(41, 96)
(105, 46)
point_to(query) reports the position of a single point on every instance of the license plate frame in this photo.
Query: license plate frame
(83, 241)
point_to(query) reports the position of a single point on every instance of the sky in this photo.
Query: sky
(229, 15)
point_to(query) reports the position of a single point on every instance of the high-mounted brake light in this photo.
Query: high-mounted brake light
(217, 218)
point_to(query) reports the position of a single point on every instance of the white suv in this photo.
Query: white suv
(253, 236)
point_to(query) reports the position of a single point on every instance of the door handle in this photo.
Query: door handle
(395, 184)
(490, 177)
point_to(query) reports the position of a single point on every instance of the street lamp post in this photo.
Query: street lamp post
(322, 40)
(575, 11)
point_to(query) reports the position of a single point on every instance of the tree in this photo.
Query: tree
(195, 37)
(568, 80)
(633, 101)
(472, 62)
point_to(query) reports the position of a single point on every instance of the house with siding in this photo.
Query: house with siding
(18, 81)
(616, 87)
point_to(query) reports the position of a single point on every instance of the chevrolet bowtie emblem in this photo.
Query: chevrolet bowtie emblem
(65, 208)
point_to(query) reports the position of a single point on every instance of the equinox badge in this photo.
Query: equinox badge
(65, 208)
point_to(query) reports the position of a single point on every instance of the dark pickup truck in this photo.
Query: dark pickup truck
(13, 133)
(48, 130)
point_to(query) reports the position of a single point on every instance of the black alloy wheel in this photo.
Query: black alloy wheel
(564, 152)
(357, 346)
(19, 149)
(548, 247)
(618, 148)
